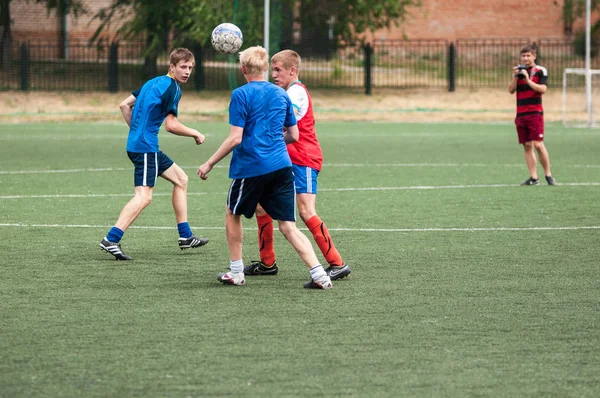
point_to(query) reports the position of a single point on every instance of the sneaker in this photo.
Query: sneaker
(324, 283)
(551, 181)
(229, 278)
(530, 181)
(114, 249)
(191, 242)
(259, 268)
(336, 272)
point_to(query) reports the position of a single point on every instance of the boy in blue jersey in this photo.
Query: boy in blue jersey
(144, 111)
(260, 166)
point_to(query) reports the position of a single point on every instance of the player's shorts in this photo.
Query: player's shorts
(274, 191)
(305, 179)
(530, 127)
(148, 166)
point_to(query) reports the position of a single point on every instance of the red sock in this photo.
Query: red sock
(265, 239)
(324, 241)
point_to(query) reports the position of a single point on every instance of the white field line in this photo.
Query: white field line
(499, 229)
(401, 188)
(375, 165)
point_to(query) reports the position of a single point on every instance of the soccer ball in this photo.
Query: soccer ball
(226, 38)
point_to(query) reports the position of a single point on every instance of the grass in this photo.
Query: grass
(463, 283)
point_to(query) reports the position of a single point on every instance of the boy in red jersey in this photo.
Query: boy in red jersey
(529, 81)
(307, 159)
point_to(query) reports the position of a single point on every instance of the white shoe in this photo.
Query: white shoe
(229, 278)
(323, 283)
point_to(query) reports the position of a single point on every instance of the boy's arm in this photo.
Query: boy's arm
(291, 134)
(512, 86)
(127, 108)
(174, 126)
(234, 139)
(540, 88)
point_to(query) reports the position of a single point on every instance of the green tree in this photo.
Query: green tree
(329, 22)
(575, 11)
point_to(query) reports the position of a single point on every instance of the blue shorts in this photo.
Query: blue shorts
(148, 166)
(274, 191)
(305, 179)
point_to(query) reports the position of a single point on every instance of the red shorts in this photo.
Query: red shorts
(530, 127)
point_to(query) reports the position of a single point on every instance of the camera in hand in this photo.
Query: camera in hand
(521, 68)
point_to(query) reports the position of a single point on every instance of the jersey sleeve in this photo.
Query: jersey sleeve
(543, 75)
(238, 111)
(290, 118)
(136, 93)
(171, 98)
(299, 99)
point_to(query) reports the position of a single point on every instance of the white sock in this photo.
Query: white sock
(237, 266)
(317, 272)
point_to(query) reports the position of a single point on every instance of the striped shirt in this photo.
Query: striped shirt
(529, 101)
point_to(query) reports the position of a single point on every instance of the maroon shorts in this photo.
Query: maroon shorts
(530, 127)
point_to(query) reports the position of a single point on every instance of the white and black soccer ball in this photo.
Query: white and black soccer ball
(226, 38)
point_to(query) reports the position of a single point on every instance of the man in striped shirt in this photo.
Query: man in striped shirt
(144, 112)
(530, 82)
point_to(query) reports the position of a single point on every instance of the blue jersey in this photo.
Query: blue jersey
(154, 101)
(263, 110)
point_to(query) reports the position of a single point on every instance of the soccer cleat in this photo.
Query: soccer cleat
(551, 181)
(259, 268)
(191, 242)
(530, 181)
(336, 272)
(229, 278)
(324, 284)
(114, 249)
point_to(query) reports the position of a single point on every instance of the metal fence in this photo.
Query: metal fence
(467, 63)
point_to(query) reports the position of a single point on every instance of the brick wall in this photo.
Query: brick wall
(31, 20)
(455, 19)
(439, 19)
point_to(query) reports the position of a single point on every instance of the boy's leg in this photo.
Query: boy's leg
(234, 235)
(307, 210)
(530, 159)
(141, 199)
(179, 179)
(544, 157)
(267, 264)
(279, 202)
(133, 208)
(265, 237)
(306, 182)
(300, 243)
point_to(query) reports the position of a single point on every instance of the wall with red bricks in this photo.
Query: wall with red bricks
(435, 19)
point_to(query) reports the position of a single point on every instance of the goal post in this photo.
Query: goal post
(577, 100)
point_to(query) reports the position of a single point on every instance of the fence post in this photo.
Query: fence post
(24, 67)
(113, 67)
(199, 75)
(368, 51)
(451, 68)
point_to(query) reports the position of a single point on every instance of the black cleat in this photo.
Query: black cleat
(114, 249)
(191, 242)
(530, 181)
(551, 181)
(259, 268)
(336, 272)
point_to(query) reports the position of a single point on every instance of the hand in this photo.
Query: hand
(199, 138)
(516, 72)
(204, 170)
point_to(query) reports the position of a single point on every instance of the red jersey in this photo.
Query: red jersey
(307, 150)
(529, 101)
